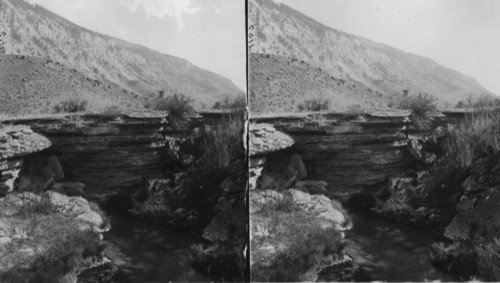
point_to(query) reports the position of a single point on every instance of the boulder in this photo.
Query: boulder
(79, 207)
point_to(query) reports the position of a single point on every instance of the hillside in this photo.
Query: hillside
(30, 85)
(280, 30)
(280, 84)
(34, 31)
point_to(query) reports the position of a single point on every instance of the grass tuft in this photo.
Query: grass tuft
(71, 105)
(300, 242)
(238, 103)
(478, 135)
(52, 247)
(314, 105)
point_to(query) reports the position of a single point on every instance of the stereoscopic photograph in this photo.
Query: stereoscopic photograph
(374, 138)
(249, 141)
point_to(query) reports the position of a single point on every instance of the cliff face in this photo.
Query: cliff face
(356, 149)
(108, 154)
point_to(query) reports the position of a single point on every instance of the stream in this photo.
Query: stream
(144, 252)
(389, 251)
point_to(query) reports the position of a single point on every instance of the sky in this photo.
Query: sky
(463, 35)
(208, 33)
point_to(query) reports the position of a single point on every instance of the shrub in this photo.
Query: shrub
(478, 135)
(220, 147)
(219, 260)
(178, 107)
(304, 244)
(238, 103)
(224, 143)
(314, 105)
(420, 106)
(59, 245)
(310, 247)
(457, 258)
(59, 260)
(42, 207)
(71, 105)
(489, 260)
(285, 204)
(484, 101)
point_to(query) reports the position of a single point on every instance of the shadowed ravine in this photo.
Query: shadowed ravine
(390, 251)
(143, 252)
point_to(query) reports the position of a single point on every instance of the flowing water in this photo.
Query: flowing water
(144, 252)
(388, 251)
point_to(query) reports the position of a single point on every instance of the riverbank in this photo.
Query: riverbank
(49, 237)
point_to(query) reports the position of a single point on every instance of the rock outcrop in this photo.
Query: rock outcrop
(264, 139)
(36, 229)
(355, 149)
(283, 222)
(109, 154)
(17, 142)
(284, 204)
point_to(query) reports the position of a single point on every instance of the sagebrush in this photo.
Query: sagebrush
(314, 105)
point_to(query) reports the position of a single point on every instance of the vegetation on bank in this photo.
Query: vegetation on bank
(478, 136)
(84, 102)
(458, 196)
(47, 244)
(482, 102)
(302, 246)
(313, 105)
(237, 103)
(420, 105)
(207, 196)
(178, 106)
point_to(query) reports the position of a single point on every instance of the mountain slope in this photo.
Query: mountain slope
(283, 31)
(281, 84)
(31, 85)
(34, 31)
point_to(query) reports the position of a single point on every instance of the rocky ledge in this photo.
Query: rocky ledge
(15, 143)
(350, 149)
(264, 139)
(109, 154)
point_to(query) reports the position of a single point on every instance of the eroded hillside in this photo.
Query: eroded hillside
(31, 85)
(280, 30)
(281, 84)
(34, 31)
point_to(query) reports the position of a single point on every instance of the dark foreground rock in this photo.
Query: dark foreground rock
(464, 210)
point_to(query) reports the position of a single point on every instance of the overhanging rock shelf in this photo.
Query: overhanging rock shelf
(108, 153)
(347, 149)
